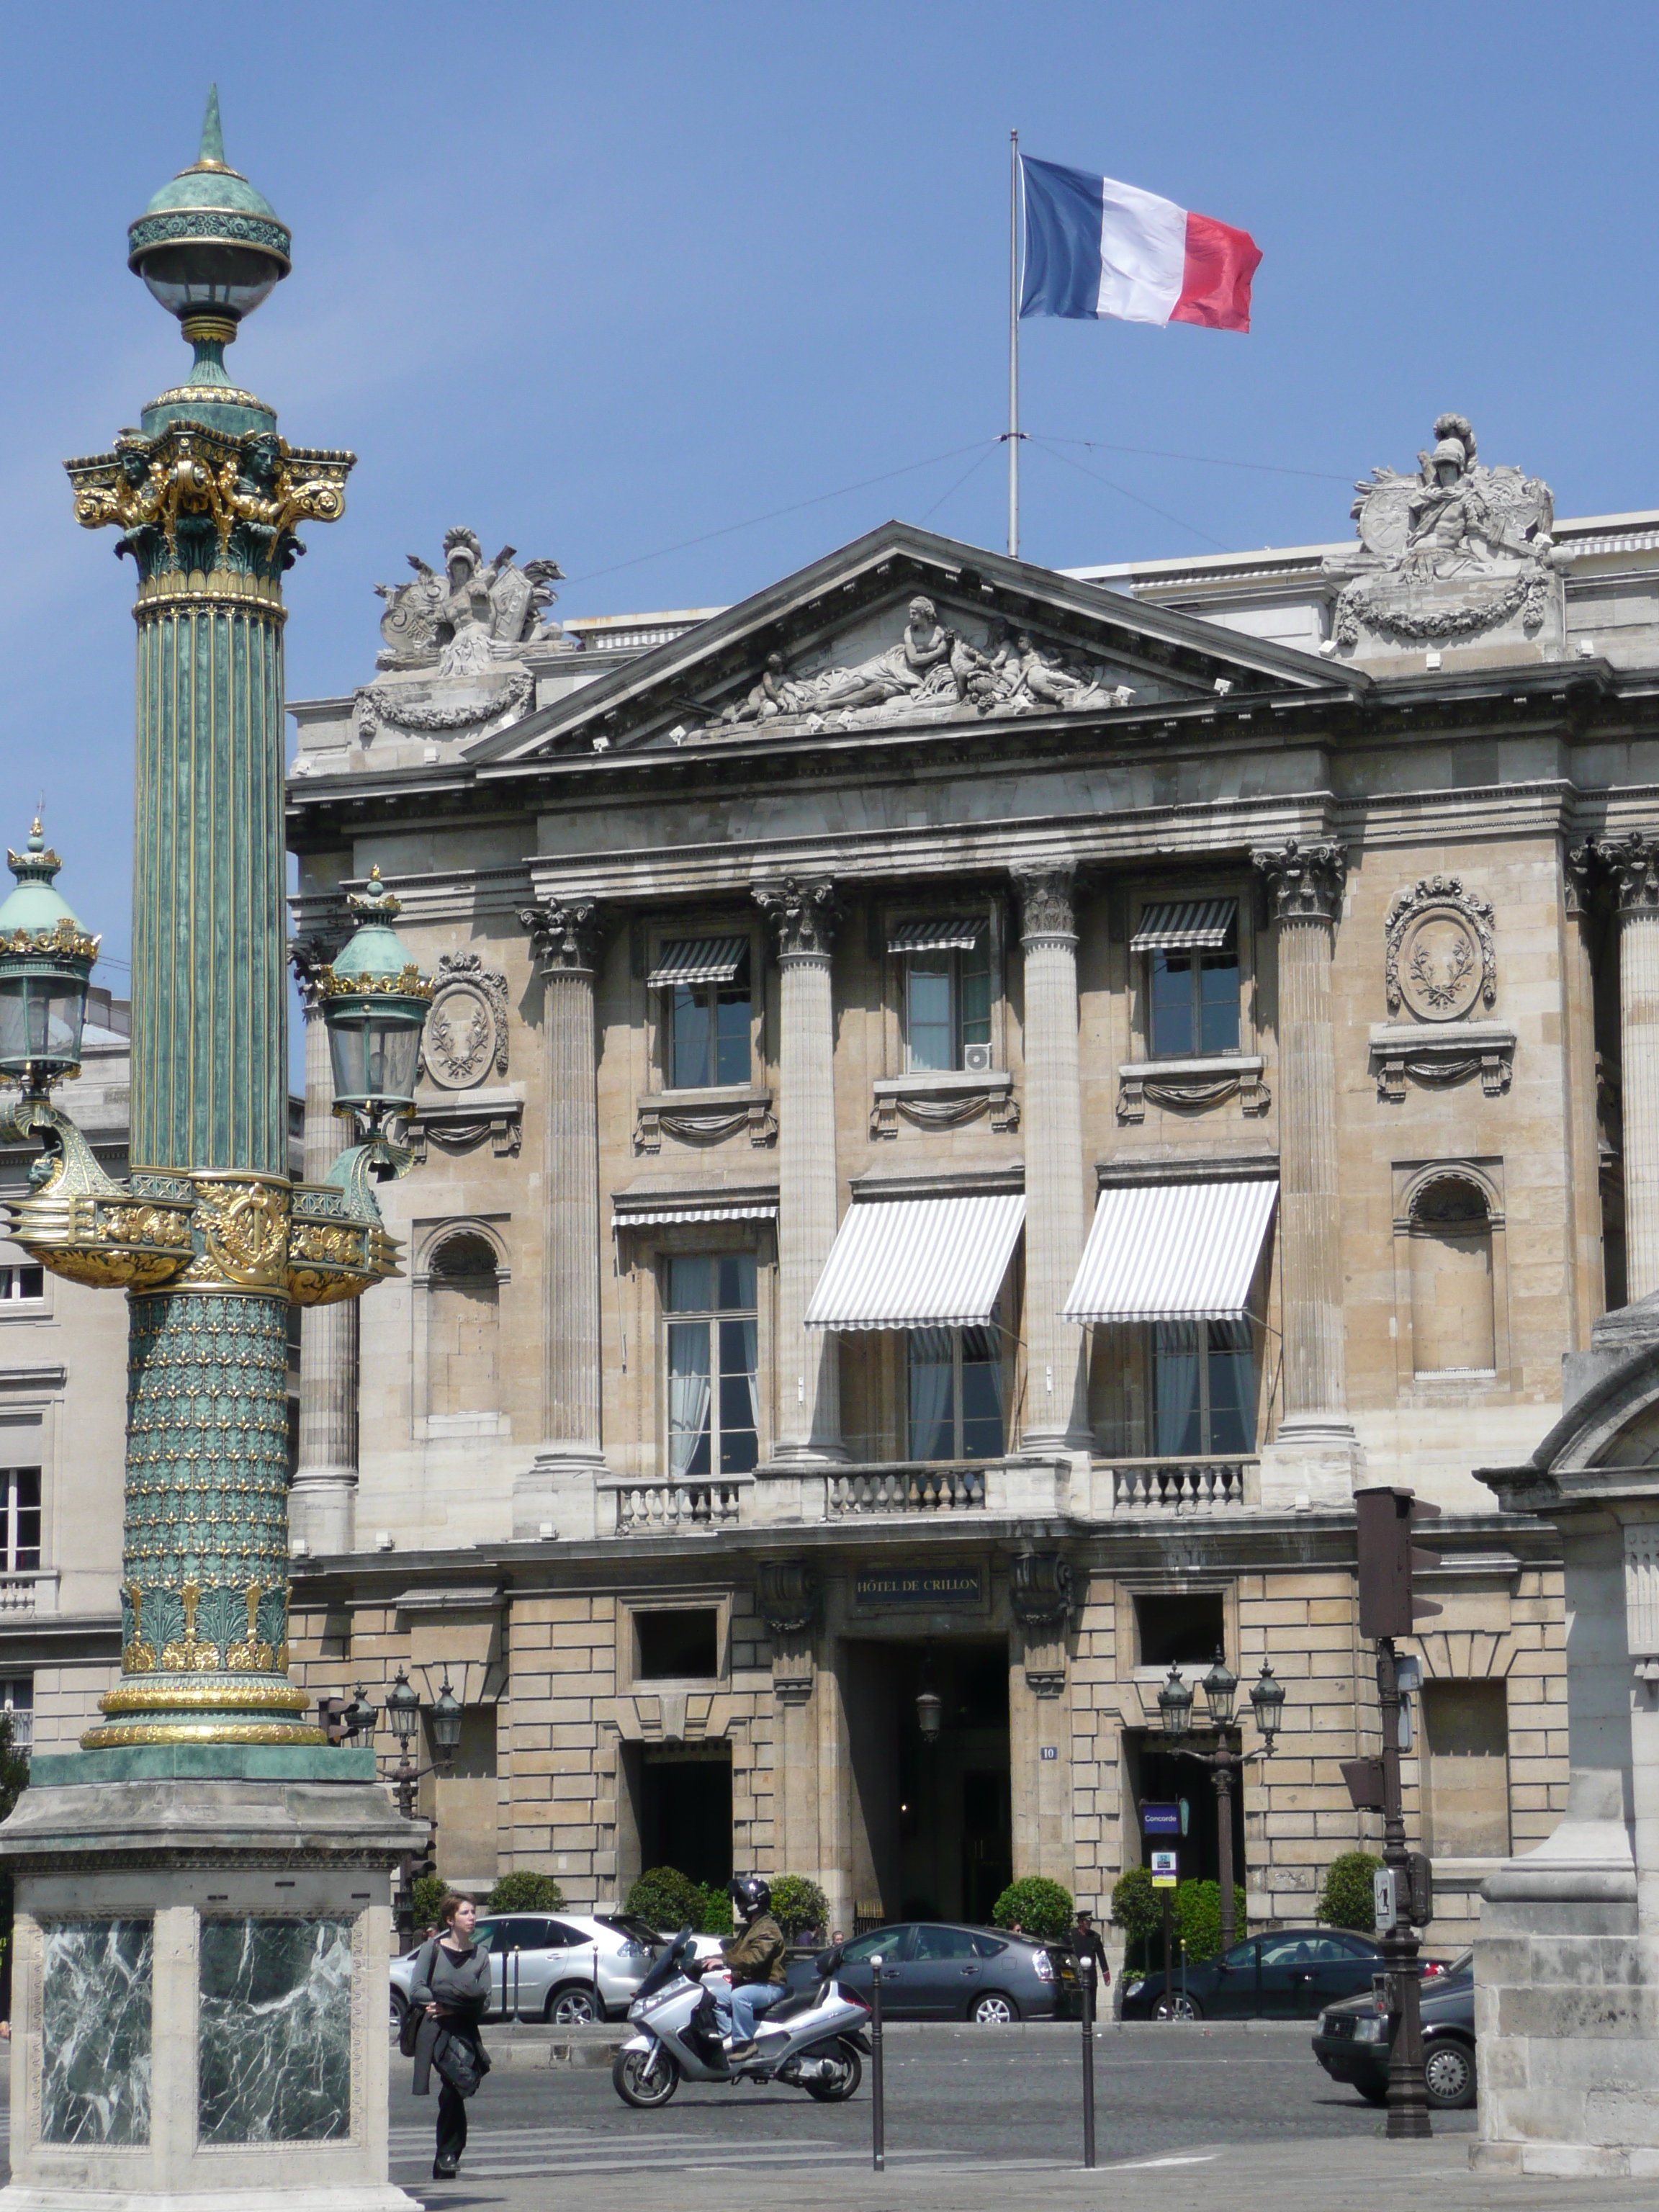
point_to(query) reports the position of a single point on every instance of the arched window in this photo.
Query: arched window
(1452, 1330)
(463, 1316)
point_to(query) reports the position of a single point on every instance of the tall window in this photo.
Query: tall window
(17, 1702)
(21, 1492)
(708, 1027)
(1195, 1000)
(463, 1316)
(947, 990)
(954, 1393)
(1203, 1388)
(713, 1396)
(17, 1283)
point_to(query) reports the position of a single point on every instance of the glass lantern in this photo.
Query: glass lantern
(374, 1004)
(403, 1711)
(1267, 1698)
(208, 245)
(1220, 1687)
(448, 1713)
(46, 965)
(1174, 1705)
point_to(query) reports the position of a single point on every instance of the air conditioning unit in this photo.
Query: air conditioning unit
(976, 1059)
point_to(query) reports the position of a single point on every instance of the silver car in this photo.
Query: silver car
(567, 1967)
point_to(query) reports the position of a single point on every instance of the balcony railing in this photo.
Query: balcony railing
(29, 1591)
(906, 1486)
(692, 1507)
(1184, 1486)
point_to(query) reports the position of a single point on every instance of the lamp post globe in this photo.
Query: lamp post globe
(447, 1715)
(403, 1711)
(45, 965)
(1220, 1688)
(361, 1714)
(1267, 1702)
(375, 1002)
(1175, 1706)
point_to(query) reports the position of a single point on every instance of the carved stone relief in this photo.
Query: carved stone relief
(1440, 958)
(465, 1034)
(476, 614)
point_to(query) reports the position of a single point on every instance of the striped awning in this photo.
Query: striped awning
(700, 1209)
(955, 932)
(699, 960)
(1172, 1251)
(1185, 926)
(918, 1263)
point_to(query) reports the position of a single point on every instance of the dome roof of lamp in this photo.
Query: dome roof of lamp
(209, 204)
(36, 917)
(375, 958)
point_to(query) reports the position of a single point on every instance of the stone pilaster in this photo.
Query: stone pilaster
(1587, 1269)
(789, 1597)
(567, 933)
(1632, 862)
(1055, 1402)
(1315, 1454)
(804, 915)
(322, 1502)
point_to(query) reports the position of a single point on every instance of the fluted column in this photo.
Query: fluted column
(804, 917)
(567, 935)
(322, 1504)
(1056, 1406)
(1306, 889)
(1633, 865)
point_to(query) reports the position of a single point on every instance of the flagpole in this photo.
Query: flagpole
(1013, 345)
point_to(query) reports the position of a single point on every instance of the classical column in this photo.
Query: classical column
(567, 933)
(1305, 885)
(1632, 862)
(804, 917)
(1056, 1404)
(322, 1502)
(1587, 1272)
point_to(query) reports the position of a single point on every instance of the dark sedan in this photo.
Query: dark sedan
(1292, 1974)
(932, 1970)
(1352, 2042)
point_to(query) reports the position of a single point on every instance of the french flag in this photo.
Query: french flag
(1095, 247)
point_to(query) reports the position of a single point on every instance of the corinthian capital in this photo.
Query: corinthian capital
(802, 913)
(1631, 863)
(1305, 880)
(1046, 904)
(309, 956)
(567, 933)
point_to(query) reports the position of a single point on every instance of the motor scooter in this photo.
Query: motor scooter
(811, 2039)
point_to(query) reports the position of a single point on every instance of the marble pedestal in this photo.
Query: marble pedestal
(200, 1985)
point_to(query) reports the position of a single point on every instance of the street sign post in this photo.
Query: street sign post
(1160, 1819)
(1166, 1865)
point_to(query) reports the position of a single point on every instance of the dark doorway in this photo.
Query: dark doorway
(1152, 1772)
(937, 1818)
(685, 1812)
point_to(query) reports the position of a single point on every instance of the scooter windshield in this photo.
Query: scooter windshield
(669, 1963)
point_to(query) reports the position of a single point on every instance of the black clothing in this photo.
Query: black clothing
(1086, 1943)
(452, 2129)
(449, 2044)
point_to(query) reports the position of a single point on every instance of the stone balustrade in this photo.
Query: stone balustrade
(691, 1507)
(29, 1592)
(906, 1486)
(1184, 1485)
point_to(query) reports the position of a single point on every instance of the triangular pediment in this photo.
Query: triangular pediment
(904, 631)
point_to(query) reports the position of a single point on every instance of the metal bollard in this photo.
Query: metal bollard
(1087, 1966)
(878, 2100)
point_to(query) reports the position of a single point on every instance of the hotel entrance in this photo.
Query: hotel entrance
(932, 1830)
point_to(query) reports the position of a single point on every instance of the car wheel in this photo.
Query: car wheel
(575, 2005)
(835, 2087)
(1449, 2075)
(645, 2079)
(1177, 2007)
(1374, 2092)
(399, 2006)
(994, 2010)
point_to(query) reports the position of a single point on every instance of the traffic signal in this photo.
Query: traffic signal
(331, 1719)
(1387, 1518)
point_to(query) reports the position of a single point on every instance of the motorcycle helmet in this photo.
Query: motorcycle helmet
(751, 1895)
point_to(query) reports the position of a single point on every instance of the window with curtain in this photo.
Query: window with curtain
(19, 1284)
(1194, 1002)
(947, 1004)
(709, 1031)
(1203, 1388)
(17, 1701)
(22, 1518)
(713, 1396)
(955, 1377)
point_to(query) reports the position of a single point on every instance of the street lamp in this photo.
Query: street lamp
(447, 1718)
(360, 1716)
(45, 963)
(1175, 1713)
(930, 1706)
(375, 1002)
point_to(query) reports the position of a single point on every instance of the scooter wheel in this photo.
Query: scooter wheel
(645, 2078)
(836, 2088)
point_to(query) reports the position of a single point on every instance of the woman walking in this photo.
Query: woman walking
(452, 1988)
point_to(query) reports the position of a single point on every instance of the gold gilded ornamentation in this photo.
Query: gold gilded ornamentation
(64, 937)
(407, 983)
(188, 1697)
(244, 1221)
(113, 1738)
(189, 1657)
(137, 1657)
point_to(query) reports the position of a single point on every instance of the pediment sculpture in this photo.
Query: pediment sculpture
(1451, 553)
(931, 671)
(474, 615)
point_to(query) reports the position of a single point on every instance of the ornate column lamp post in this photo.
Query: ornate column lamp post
(148, 1863)
(1175, 1711)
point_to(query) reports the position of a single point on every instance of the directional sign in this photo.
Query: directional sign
(1163, 1869)
(1160, 1819)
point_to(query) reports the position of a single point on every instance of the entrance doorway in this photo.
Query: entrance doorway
(932, 1823)
(1152, 1772)
(682, 1804)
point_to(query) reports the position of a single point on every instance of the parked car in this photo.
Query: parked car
(1352, 2042)
(936, 1970)
(1292, 1973)
(568, 1968)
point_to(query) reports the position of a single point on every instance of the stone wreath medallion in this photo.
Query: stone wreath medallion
(1441, 961)
(465, 1036)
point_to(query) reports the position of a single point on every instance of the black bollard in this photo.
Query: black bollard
(878, 2101)
(1087, 1967)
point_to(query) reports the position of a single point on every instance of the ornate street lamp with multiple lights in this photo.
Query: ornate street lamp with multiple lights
(1175, 1713)
(46, 965)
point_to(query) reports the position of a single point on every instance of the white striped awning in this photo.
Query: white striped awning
(1185, 926)
(1172, 1251)
(918, 1263)
(699, 960)
(953, 932)
(703, 1210)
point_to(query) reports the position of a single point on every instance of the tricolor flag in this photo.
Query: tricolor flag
(1095, 247)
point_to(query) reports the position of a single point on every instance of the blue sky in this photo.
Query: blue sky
(603, 279)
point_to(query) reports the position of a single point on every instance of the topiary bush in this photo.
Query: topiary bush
(1198, 1918)
(424, 1899)
(1040, 1906)
(667, 1899)
(1137, 1909)
(1347, 1900)
(525, 1892)
(713, 1912)
(797, 1904)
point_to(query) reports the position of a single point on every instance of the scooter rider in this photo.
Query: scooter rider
(754, 1960)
